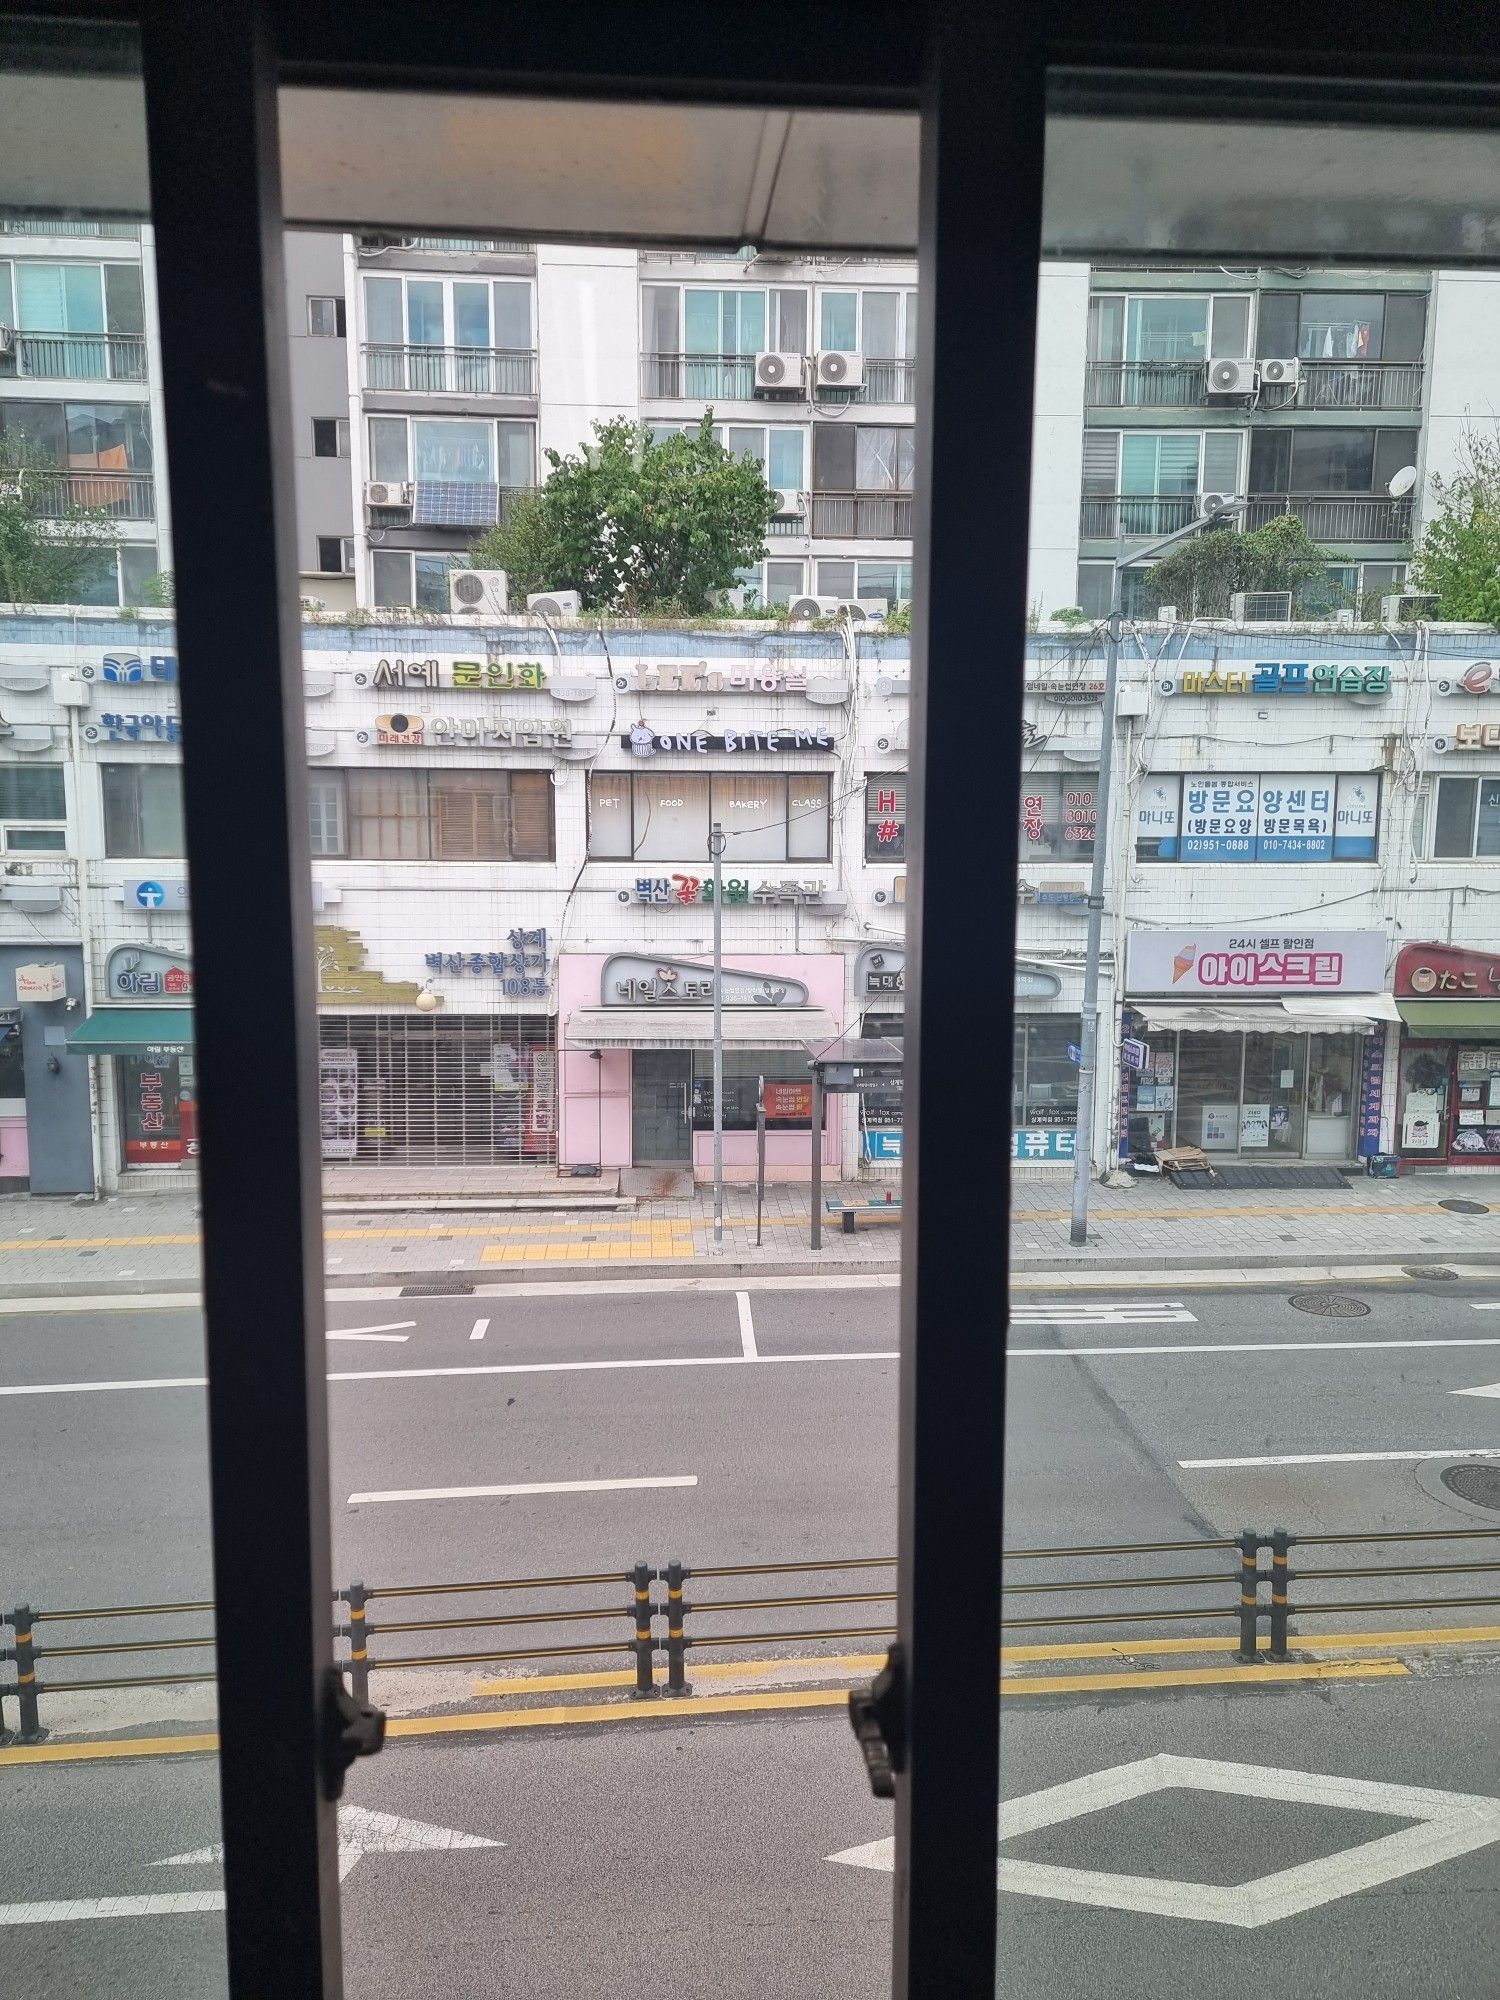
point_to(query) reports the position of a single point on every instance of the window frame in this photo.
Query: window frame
(494, 423)
(340, 327)
(137, 847)
(717, 776)
(1478, 779)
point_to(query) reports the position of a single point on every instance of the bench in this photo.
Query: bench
(878, 1208)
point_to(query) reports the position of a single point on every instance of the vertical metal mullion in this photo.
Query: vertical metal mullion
(980, 237)
(210, 86)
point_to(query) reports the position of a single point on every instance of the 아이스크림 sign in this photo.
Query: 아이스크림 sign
(1191, 964)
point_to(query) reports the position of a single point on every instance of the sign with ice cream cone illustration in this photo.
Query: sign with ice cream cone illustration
(1252, 965)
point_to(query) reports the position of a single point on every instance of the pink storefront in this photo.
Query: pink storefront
(636, 1059)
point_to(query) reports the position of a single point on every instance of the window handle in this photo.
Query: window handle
(877, 1715)
(350, 1729)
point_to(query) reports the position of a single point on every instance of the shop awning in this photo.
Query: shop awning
(693, 1028)
(1335, 1013)
(1451, 1017)
(134, 1031)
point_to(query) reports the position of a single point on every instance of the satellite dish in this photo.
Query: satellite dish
(1402, 482)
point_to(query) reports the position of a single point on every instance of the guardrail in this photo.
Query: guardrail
(663, 1626)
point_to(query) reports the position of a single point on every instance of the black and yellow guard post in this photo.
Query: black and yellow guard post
(677, 1681)
(1281, 1578)
(1249, 1595)
(26, 1682)
(356, 1596)
(642, 1645)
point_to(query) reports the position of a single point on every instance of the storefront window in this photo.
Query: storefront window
(1057, 815)
(1259, 1094)
(158, 1109)
(1044, 1083)
(788, 1090)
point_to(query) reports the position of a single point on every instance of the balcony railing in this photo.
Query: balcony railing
(1322, 385)
(75, 357)
(57, 225)
(127, 496)
(876, 517)
(729, 378)
(453, 371)
(458, 246)
(1328, 517)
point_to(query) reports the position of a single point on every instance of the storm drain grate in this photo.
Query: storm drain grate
(437, 1288)
(1427, 1271)
(1330, 1305)
(1460, 1207)
(1478, 1484)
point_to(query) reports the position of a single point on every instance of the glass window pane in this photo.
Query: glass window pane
(1278, 315)
(874, 459)
(390, 574)
(659, 319)
(1166, 329)
(138, 567)
(1106, 327)
(388, 450)
(1487, 827)
(533, 833)
(383, 312)
(836, 578)
(789, 321)
(83, 298)
(744, 322)
(784, 581)
(703, 331)
(430, 582)
(424, 312)
(470, 815)
(31, 791)
(609, 815)
(837, 322)
(517, 453)
(881, 335)
(747, 441)
(513, 313)
(461, 448)
(1341, 326)
(124, 304)
(388, 815)
(40, 297)
(833, 458)
(471, 316)
(808, 817)
(751, 808)
(1057, 815)
(1230, 330)
(1405, 327)
(1330, 461)
(787, 469)
(671, 816)
(325, 813)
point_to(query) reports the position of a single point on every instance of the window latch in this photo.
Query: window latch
(350, 1729)
(877, 1715)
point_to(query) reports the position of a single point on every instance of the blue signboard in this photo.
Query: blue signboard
(883, 1142)
(1042, 1142)
(1269, 816)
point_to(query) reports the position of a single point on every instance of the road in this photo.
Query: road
(705, 1850)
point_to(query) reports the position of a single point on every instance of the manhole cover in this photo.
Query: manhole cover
(1427, 1271)
(1478, 1484)
(1331, 1305)
(1457, 1207)
(434, 1288)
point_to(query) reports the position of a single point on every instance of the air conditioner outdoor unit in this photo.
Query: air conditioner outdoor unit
(1213, 503)
(1279, 374)
(1230, 378)
(555, 603)
(789, 505)
(1407, 608)
(388, 493)
(813, 607)
(1260, 607)
(780, 371)
(479, 590)
(861, 609)
(1343, 621)
(837, 370)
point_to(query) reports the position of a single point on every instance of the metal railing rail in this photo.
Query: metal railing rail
(662, 1625)
(454, 371)
(1328, 517)
(74, 357)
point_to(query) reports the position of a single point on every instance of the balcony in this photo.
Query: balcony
(1328, 517)
(730, 378)
(1322, 385)
(75, 357)
(57, 225)
(450, 246)
(875, 517)
(125, 496)
(451, 371)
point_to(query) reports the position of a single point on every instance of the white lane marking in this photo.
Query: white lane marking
(748, 1349)
(1448, 1824)
(385, 1326)
(96, 1388)
(526, 1491)
(481, 1328)
(367, 1336)
(1484, 1305)
(1122, 1312)
(361, 1831)
(1336, 1458)
(186, 1903)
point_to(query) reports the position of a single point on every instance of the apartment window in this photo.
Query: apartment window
(330, 437)
(836, 578)
(482, 451)
(407, 578)
(33, 808)
(882, 325)
(874, 458)
(788, 327)
(449, 815)
(142, 810)
(885, 816)
(771, 584)
(1058, 815)
(111, 437)
(74, 298)
(666, 816)
(842, 577)
(1343, 326)
(1468, 819)
(780, 453)
(727, 322)
(1095, 581)
(1326, 460)
(325, 813)
(1276, 816)
(325, 318)
(661, 318)
(336, 555)
(468, 313)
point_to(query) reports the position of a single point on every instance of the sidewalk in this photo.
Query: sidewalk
(149, 1244)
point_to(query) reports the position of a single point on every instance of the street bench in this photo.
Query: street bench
(878, 1208)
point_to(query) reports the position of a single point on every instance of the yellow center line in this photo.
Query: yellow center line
(1190, 1677)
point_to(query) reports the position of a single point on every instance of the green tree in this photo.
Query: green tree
(1458, 556)
(1201, 575)
(49, 546)
(636, 524)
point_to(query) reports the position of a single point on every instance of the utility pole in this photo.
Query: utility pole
(716, 852)
(1088, 1038)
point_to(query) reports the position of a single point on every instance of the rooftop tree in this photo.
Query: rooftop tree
(1201, 575)
(49, 545)
(1458, 556)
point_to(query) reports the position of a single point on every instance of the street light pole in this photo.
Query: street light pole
(716, 851)
(1088, 1038)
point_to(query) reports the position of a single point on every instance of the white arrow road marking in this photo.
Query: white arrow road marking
(1489, 1389)
(526, 1491)
(361, 1831)
(1448, 1824)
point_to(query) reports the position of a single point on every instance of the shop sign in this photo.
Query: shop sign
(743, 677)
(881, 969)
(139, 972)
(134, 729)
(1424, 970)
(1250, 964)
(493, 676)
(131, 667)
(345, 980)
(883, 1143)
(1065, 690)
(788, 1100)
(694, 891)
(1034, 982)
(1275, 677)
(629, 980)
(1479, 677)
(1276, 816)
(1065, 895)
(338, 1103)
(644, 741)
(522, 971)
(470, 732)
(155, 892)
(1469, 736)
(1134, 1054)
(41, 982)
(1034, 1142)
(1371, 1079)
